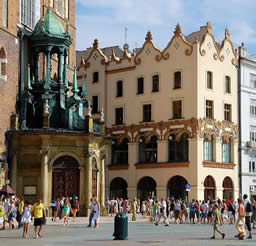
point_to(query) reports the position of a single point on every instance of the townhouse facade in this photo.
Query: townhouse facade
(247, 96)
(171, 114)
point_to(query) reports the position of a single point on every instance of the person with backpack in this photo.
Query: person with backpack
(74, 207)
(248, 213)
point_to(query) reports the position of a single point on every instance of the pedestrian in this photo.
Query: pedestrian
(126, 205)
(20, 208)
(177, 211)
(204, 207)
(38, 212)
(2, 215)
(162, 213)
(26, 219)
(74, 207)
(61, 207)
(254, 214)
(54, 206)
(240, 223)
(230, 213)
(66, 211)
(155, 210)
(108, 206)
(210, 208)
(96, 212)
(197, 211)
(192, 211)
(12, 215)
(248, 213)
(216, 222)
(143, 209)
(91, 213)
(7, 206)
(134, 209)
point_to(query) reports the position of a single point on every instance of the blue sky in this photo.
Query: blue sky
(106, 20)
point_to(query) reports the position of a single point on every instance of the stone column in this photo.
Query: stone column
(162, 146)
(65, 69)
(132, 160)
(60, 66)
(82, 188)
(102, 181)
(218, 150)
(14, 171)
(88, 182)
(44, 176)
(36, 66)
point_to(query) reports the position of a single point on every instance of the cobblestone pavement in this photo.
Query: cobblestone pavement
(141, 233)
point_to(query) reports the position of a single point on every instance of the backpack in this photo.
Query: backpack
(249, 207)
(74, 203)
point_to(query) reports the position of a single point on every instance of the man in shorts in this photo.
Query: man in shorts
(216, 222)
(39, 214)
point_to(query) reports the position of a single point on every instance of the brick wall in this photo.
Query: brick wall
(9, 88)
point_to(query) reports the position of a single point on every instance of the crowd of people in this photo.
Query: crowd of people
(241, 212)
(16, 213)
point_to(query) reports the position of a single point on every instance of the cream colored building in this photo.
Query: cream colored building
(172, 115)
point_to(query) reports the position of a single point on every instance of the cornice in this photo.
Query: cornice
(222, 165)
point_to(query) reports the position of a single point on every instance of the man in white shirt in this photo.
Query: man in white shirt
(162, 213)
(204, 207)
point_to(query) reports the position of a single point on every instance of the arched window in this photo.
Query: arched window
(209, 188)
(208, 148)
(120, 152)
(177, 80)
(226, 150)
(178, 150)
(155, 83)
(148, 151)
(228, 189)
(3, 64)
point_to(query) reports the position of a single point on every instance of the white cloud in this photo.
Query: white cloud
(161, 17)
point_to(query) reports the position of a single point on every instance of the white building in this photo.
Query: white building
(247, 124)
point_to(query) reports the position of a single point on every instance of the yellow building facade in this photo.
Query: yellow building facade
(172, 116)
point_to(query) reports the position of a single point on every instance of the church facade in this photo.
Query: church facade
(56, 148)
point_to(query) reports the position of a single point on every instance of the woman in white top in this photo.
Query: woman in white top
(96, 211)
(26, 219)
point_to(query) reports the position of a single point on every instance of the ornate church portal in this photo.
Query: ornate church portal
(65, 177)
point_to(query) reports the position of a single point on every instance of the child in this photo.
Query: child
(26, 219)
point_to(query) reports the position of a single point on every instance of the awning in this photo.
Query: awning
(7, 189)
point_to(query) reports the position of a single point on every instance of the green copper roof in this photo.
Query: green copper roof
(49, 24)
